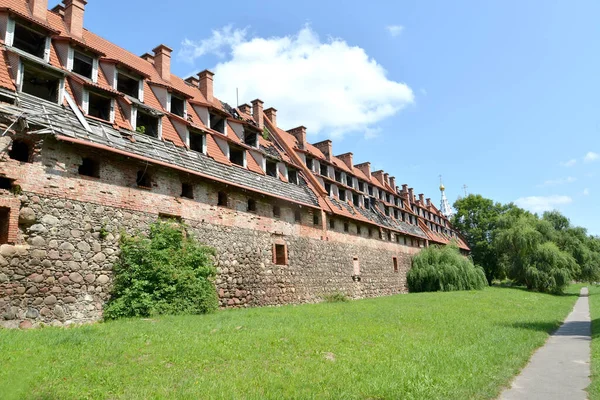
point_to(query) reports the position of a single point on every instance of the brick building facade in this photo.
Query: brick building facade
(97, 141)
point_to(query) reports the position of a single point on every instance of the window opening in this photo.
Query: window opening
(271, 168)
(346, 227)
(276, 211)
(324, 170)
(250, 137)
(293, 176)
(39, 83)
(222, 199)
(187, 190)
(338, 176)
(217, 123)
(89, 167)
(20, 151)
(128, 85)
(366, 200)
(99, 106)
(342, 195)
(297, 216)
(309, 163)
(280, 254)
(146, 124)
(143, 179)
(6, 183)
(29, 41)
(349, 181)
(331, 223)
(390, 236)
(177, 106)
(316, 219)
(83, 64)
(358, 230)
(370, 190)
(355, 269)
(395, 260)
(4, 224)
(355, 199)
(197, 142)
(370, 232)
(236, 155)
(361, 186)
(328, 188)
(251, 205)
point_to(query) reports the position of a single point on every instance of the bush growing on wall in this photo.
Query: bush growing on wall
(444, 269)
(166, 272)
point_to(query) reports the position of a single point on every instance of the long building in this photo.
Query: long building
(97, 141)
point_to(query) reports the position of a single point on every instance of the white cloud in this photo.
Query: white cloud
(394, 30)
(220, 40)
(591, 156)
(569, 163)
(586, 192)
(372, 133)
(325, 85)
(539, 204)
(557, 182)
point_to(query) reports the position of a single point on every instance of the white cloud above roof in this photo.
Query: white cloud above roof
(591, 156)
(539, 204)
(394, 30)
(326, 85)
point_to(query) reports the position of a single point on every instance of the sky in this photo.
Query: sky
(499, 96)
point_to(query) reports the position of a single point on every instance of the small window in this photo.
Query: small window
(83, 64)
(271, 168)
(4, 224)
(40, 83)
(346, 227)
(342, 195)
(89, 167)
(6, 183)
(236, 155)
(355, 199)
(251, 205)
(20, 151)
(361, 186)
(349, 181)
(398, 238)
(222, 199)
(396, 213)
(331, 223)
(370, 232)
(328, 188)
(370, 190)
(297, 216)
(358, 230)
(187, 190)
(143, 179)
(367, 205)
(29, 41)
(338, 176)
(99, 106)
(197, 142)
(324, 170)
(146, 124)
(280, 254)
(395, 261)
(250, 137)
(217, 123)
(128, 85)
(276, 211)
(316, 219)
(177, 106)
(387, 211)
(355, 266)
(293, 176)
(309, 163)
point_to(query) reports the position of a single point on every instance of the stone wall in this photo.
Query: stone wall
(59, 269)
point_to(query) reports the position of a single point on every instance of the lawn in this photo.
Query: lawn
(594, 388)
(455, 345)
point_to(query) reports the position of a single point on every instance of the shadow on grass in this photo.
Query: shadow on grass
(580, 329)
(524, 289)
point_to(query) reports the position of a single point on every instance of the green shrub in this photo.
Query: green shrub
(444, 269)
(164, 273)
(336, 297)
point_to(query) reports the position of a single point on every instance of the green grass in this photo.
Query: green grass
(594, 388)
(454, 345)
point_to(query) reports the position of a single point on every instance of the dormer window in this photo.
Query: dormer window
(147, 124)
(324, 170)
(328, 188)
(342, 195)
(349, 181)
(83, 64)
(29, 40)
(40, 82)
(293, 176)
(128, 85)
(217, 123)
(309, 163)
(355, 199)
(237, 156)
(99, 106)
(250, 137)
(178, 106)
(361, 186)
(370, 190)
(197, 142)
(338, 176)
(271, 168)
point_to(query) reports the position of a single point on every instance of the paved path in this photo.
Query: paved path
(560, 369)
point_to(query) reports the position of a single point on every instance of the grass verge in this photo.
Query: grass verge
(594, 388)
(429, 345)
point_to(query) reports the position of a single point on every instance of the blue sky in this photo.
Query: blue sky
(501, 96)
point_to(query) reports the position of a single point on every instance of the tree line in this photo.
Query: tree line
(543, 253)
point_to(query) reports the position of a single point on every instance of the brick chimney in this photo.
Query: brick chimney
(300, 134)
(347, 159)
(325, 148)
(39, 8)
(405, 189)
(386, 176)
(245, 108)
(192, 80)
(206, 84)
(378, 175)
(74, 10)
(393, 182)
(271, 115)
(162, 61)
(422, 199)
(257, 113)
(428, 202)
(148, 57)
(365, 168)
(411, 195)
